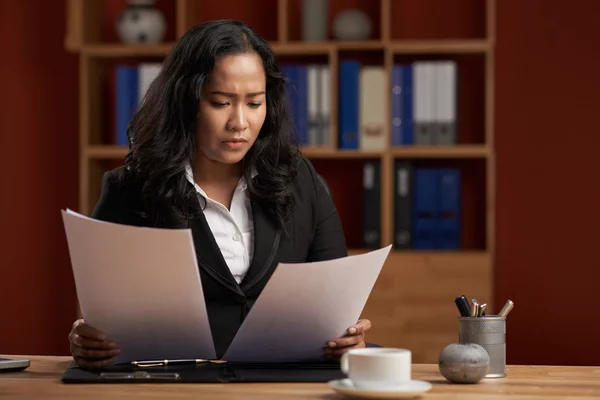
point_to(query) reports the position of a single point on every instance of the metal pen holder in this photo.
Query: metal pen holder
(490, 333)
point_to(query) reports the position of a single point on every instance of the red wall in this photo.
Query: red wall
(546, 69)
(38, 176)
(547, 139)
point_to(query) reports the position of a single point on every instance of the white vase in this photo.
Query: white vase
(352, 24)
(141, 22)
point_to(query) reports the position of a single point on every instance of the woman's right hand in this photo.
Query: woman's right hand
(90, 347)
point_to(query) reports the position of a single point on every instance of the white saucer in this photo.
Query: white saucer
(411, 389)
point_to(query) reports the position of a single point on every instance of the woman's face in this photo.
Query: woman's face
(233, 108)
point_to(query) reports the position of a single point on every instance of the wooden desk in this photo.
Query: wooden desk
(41, 381)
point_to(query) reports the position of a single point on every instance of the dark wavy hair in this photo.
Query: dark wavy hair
(162, 133)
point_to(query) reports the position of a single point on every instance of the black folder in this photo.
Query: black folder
(207, 372)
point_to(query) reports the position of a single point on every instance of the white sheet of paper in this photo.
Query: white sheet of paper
(305, 305)
(141, 286)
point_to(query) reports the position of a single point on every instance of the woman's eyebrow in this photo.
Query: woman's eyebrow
(227, 94)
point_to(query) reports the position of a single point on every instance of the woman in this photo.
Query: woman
(211, 149)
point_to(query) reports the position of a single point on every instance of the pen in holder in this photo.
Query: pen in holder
(489, 332)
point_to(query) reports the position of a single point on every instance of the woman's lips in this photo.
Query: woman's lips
(235, 143)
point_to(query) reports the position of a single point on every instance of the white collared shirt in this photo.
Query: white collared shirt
(232, 229)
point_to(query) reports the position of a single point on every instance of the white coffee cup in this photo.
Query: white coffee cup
(377, 368)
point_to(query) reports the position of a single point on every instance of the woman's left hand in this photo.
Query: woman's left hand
(355, 338)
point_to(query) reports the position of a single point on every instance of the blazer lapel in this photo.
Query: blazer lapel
(266, 244)
(209, 255)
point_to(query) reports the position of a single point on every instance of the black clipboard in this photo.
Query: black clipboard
(207, 372)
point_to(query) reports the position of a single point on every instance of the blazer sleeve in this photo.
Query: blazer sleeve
(111, 206)
(328, 241)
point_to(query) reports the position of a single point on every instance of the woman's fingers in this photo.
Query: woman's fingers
(335, 354)
(361, 326)
(93, 344)
(354, 339)
(90, 347)
(93, 354)
(86, 331)
(345, 341)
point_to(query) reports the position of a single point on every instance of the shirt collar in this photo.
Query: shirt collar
(189, 174)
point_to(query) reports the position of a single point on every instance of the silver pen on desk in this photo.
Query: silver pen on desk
(506, 309)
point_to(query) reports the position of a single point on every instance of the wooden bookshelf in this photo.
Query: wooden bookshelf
(412, 304)
(119, 51)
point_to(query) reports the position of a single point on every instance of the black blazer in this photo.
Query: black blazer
(314, 233)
